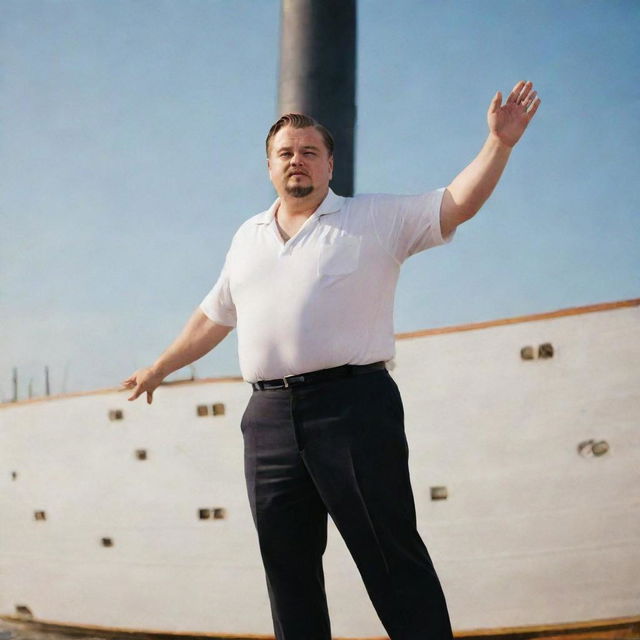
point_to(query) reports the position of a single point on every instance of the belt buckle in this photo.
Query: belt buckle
(286, 381)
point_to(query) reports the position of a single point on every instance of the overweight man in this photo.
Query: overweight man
(309, 284)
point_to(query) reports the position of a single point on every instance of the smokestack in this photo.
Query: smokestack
(318, 73)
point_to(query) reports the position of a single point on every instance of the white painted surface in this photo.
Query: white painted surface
(531, 533)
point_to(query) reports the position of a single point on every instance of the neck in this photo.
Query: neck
(291, 207)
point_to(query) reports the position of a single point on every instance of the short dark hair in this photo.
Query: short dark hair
(300, 121)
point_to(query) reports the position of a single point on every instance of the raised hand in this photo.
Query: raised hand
(508, 121)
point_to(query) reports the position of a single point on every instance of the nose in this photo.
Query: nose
(296, 158)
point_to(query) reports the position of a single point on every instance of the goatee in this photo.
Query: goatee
(299, 192)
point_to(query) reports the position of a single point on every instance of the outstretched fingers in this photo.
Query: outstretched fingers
(523, 95)
(526, 103)
(140, 388)
(515, 92)
(531, 112)
(136, 392)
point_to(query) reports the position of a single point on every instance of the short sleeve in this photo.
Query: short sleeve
(408, 224)
(218, 304)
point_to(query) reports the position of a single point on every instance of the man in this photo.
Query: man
(309, 284)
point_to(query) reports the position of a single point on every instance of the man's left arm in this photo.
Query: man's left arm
(473, 185)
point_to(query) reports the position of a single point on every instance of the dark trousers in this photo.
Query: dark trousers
(338, 447)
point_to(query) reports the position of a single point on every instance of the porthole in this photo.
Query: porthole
(218, 409)
(526, 353)
(217, 513)
(593, 447)
(545, 350)
(600, 448)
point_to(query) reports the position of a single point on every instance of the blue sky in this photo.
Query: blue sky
(132, 148)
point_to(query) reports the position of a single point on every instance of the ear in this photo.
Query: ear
(330, 167)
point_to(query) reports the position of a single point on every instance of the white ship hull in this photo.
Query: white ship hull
(533, 532)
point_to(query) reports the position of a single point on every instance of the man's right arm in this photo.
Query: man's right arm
(198, 337)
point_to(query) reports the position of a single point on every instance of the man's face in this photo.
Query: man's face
(299, 162)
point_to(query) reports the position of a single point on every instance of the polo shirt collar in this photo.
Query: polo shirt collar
(331, 204)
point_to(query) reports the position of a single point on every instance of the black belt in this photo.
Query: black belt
(344, 371)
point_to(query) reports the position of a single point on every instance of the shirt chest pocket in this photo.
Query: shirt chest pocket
(340, 257)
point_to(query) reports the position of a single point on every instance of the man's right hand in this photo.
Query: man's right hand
(198, 337)
(145, 379)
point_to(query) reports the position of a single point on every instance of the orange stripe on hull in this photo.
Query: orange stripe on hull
(609, 629)
(574, 311)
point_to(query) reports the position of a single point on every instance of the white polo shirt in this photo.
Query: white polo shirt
(325, 297)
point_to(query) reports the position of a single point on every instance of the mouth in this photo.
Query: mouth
(297, 173)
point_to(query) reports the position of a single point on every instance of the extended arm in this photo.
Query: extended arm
(474, 184)
(198, 337)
